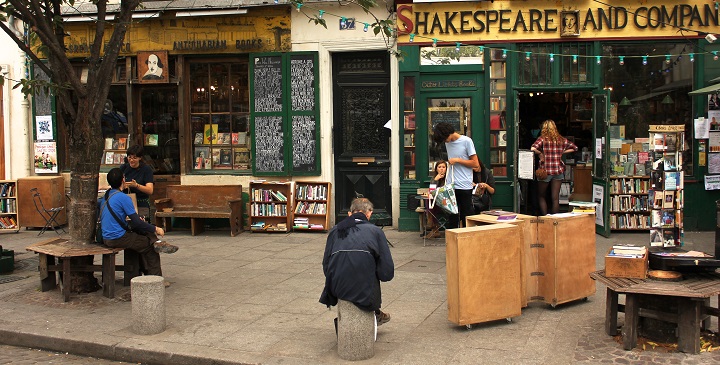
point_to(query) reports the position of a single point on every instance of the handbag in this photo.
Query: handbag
(541, 173)
(445, 196)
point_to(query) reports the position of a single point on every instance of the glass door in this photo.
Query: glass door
(601, 151)
(159, 120)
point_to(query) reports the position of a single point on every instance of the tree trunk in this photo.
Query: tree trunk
(85, 144)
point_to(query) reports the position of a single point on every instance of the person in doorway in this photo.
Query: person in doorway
(138, 178)
(155, 68)
(463, 159)
(483, 188)
(113, 208)
(357, 258)
(551, 146)
(437, 181)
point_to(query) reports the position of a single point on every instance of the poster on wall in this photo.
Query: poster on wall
(43, 127)
(598, 196)
(46, 158)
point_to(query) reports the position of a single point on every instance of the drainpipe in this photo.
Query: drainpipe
(20, 131)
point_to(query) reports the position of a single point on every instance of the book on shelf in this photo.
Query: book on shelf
(109, 157)
(502, 138)
(410, 121)
(629, 168)
(632, 157)
(224, 138)
(670, 237)
(669, 199)
(668, 218)
(656, 180)
(198, 138)
(672, 180)
(151, 139)
(108, 143)
(640, 169)
(656, 218)
(122, 143)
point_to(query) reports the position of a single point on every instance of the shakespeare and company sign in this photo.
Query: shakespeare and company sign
(551, 19)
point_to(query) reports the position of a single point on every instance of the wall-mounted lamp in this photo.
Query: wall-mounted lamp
(625, 101)
(667, 100)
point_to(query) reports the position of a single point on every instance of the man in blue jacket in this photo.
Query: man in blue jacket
(357, 258)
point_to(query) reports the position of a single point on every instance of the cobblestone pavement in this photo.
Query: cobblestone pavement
(25, 356)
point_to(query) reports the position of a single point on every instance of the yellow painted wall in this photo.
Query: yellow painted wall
(262, 29)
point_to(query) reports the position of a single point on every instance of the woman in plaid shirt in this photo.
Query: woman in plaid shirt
(551, 146)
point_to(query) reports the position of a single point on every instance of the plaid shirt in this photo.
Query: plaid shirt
(553, 151)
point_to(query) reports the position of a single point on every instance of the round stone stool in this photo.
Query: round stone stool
(148, 304)
(356, 332)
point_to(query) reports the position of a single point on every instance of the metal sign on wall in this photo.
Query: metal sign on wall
(264, 29)
(551, 19)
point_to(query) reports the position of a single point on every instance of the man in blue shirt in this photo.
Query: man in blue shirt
(463, 158)
(116, 233)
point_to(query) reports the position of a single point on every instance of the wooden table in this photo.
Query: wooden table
(692, 295)
(65, 250)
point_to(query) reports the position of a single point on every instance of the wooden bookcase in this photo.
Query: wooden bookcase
(629, 209)
(409, 128)
(8, 206)
(665, 197)
(270, 206)
(498, 125)
(312, 203)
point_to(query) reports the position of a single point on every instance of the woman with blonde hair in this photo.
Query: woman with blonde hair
(551, 146)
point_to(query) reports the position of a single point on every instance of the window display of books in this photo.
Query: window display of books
(665, 196)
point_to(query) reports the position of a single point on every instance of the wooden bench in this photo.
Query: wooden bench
(65, 250)
(198, 202)
(692, 295)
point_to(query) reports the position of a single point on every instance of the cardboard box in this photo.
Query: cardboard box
(626, 267)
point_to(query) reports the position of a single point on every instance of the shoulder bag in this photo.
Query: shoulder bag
(98, 224)
(445, 195)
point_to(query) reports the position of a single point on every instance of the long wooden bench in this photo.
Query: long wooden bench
(64, 250)
(198, 202)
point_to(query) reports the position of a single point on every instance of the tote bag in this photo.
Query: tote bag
(445, 195)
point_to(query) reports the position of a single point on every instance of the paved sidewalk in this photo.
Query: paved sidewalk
(254, 299)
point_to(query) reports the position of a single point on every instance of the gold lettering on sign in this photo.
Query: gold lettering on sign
(667, 128)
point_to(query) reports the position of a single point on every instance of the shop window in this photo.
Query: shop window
(462, 55)
(548, 64)
(452, 110)
(535, 66)
(114, 124)
(648, 91)
(409, 152)
(219, 112)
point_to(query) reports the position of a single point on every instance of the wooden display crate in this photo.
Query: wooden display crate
(626, 267)
(483, 273)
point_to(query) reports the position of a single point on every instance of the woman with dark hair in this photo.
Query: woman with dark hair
(551, 146)
(138, 178)
(483, 188)
(437, 181)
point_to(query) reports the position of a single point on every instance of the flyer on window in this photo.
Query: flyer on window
(43, 127)
(45, 158)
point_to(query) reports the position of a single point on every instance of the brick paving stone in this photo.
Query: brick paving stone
(25, 356)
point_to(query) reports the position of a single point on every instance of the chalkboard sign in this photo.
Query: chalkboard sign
(455, 115)
(268, 84)
(269, 144)
(302, 82)
(304, 138)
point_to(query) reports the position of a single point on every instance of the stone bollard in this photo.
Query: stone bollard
(148, 304)
(356, 332)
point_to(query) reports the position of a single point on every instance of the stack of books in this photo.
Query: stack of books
(583, 207)
(257, 226)
(628, 251)
(301, 223)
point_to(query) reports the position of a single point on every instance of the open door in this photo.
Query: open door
(601, 153)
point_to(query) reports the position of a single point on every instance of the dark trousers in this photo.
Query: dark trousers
(465, 208)
(144, 245)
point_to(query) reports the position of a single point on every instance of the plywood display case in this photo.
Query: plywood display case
(52, 192)
(483, 273)
(565, 252)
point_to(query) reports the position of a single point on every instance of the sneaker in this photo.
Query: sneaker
(164, 247)
(382, 318)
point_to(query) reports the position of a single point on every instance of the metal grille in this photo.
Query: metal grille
(575, 68)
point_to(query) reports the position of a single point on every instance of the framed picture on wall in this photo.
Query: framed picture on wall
(152, 67)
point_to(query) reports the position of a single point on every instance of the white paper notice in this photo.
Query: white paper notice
(615, 142)
(702, 126)
(598, 148)
(712, 182)
(713, 163)
(526, 166)
(598, 194)
(43, 128)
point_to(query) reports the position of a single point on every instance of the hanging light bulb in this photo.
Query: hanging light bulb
(667, 59)
(299, 5)
(527, 56)
(366, 27)
(692, 57)
(457, 46)
(320, 13)
(575, 59)
(343, 21)
(622, 60)
(482, 50)
(277, 1)
(715, 55)
(552, 57)
(412, 37)
(598, 59)
(434, 42)
(504, 55)
(645, 60)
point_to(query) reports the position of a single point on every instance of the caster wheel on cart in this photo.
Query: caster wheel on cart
(468, 326)
(509, 320)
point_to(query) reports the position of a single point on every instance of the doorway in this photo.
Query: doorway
(361, 143)
(573, 115)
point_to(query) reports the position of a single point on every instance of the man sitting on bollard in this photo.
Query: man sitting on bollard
(357, 258)
(114, 207)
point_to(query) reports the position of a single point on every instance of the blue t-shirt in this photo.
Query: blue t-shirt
(122, 206)
(462, 147)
